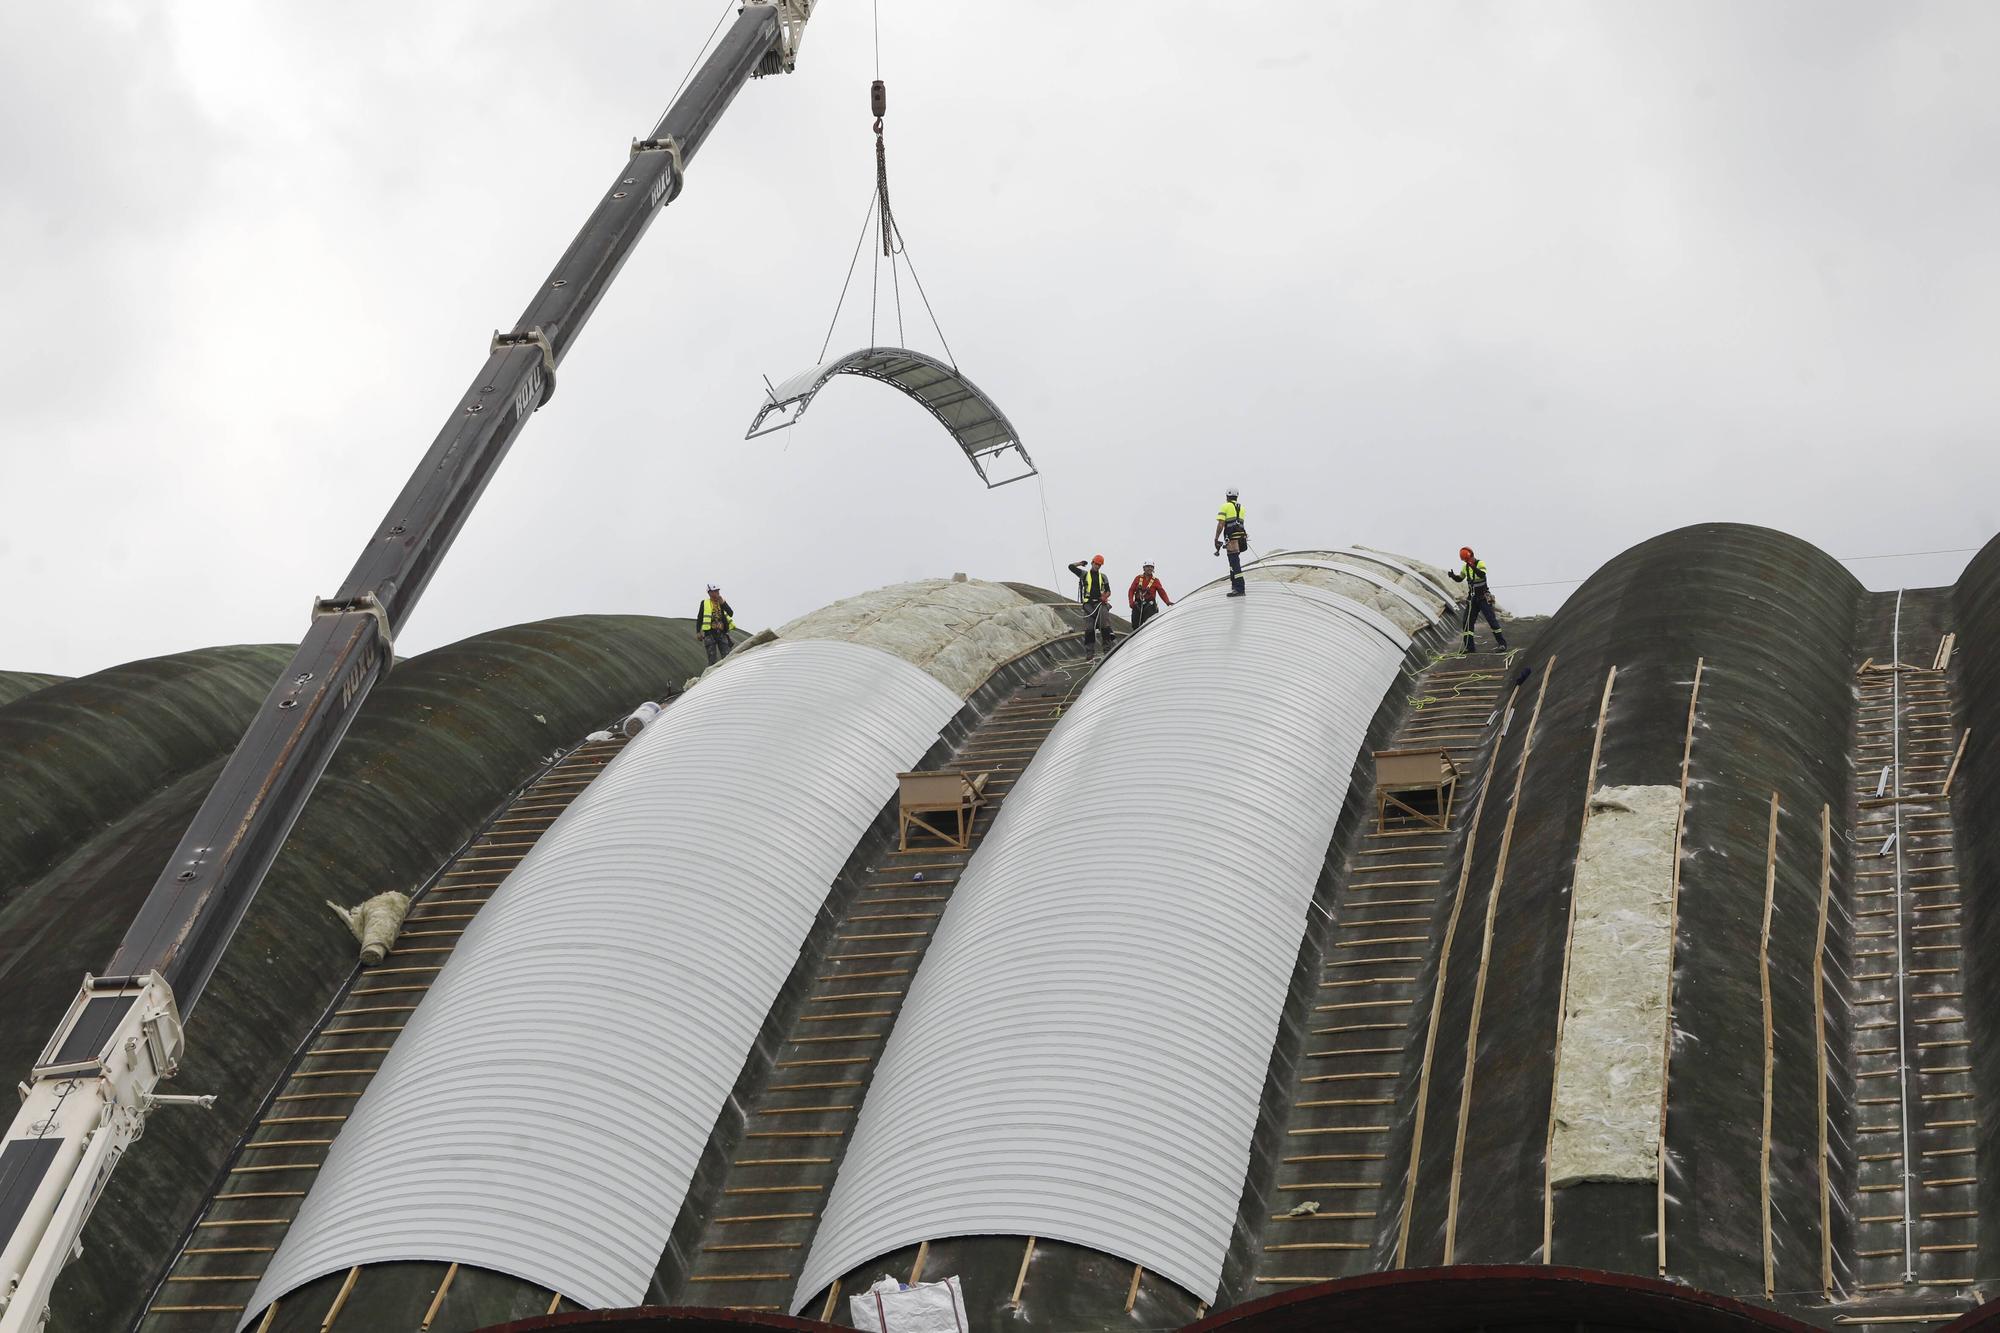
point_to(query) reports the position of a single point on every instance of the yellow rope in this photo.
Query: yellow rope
(1419, 702)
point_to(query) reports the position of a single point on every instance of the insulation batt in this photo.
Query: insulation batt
(375, 923)
(1385, 604)
(1436, 574)
(958, 632)
(1611, 1059)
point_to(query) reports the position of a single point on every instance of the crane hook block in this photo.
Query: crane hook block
(878, 99)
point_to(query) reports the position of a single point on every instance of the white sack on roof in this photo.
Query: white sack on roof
(1085, 1043)
(640, 718)
(925, 1307)
(958, 631)
(1611, 1064)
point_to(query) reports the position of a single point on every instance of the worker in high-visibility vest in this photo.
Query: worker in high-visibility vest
(1478, 597)
(1144, 597)
(1093, 597)
(1230, 532)
(714, 619)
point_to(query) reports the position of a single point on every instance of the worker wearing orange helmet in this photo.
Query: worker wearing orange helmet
(1478, 597)
(1093, 596)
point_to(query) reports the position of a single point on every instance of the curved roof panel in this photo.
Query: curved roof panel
(445, 738)
(1427, 609)
(1081, 1055)
(1414, 574)
(545, 1108)
(958, 630)
(974, 420)
(1411, 612)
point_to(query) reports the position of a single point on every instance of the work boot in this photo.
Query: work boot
(1235, 592)
(1500, 639)
(1471, 645)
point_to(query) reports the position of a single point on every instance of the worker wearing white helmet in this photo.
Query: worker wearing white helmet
(1144, 597)
(714, 619)
(1230, 532)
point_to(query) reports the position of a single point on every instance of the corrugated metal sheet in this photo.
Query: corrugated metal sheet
(959, 630)
(1415, 571)
(960, 406)
(1082, 1053)
(546, 1107)
(1427, 607)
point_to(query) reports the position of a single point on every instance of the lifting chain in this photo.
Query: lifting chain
(878, 101)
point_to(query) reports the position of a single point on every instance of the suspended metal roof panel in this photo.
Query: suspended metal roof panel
(1082, 1052)
(974, 420)
(545, 1108)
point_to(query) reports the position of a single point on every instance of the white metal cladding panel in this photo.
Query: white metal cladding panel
(1427, 607)
(1403, 565)
(1084, 1046)
(544, 1111)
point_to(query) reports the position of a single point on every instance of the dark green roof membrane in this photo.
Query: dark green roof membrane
(14, 684)
(101, 775)
(84, 753)
(1975, 804)
(1772, 621)
(440, 744)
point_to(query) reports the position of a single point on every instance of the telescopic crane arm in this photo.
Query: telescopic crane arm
(90, 1092)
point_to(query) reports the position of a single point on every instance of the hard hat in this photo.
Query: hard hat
(1097, 560)
(715, 587)
(1148, 564)
(1465, 553)
(1230, 493)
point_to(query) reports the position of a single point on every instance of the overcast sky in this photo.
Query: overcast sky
(1545, 277)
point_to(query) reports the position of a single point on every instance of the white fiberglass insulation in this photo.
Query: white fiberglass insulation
(1611, 1061)
(545, 1108)
(1400, 600)
(1346, 575)
(1084, 1046)
(957, 630)
(1430, 573)
(1418, 577)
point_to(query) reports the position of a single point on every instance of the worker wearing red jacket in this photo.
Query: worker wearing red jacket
(1144, 597)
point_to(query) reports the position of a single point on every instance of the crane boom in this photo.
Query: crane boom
(92, 1088)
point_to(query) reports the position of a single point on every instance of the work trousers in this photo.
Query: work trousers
(716, 643)
(1144, 612)
(1096, 621)
(1233, 544)
(1476, 605)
